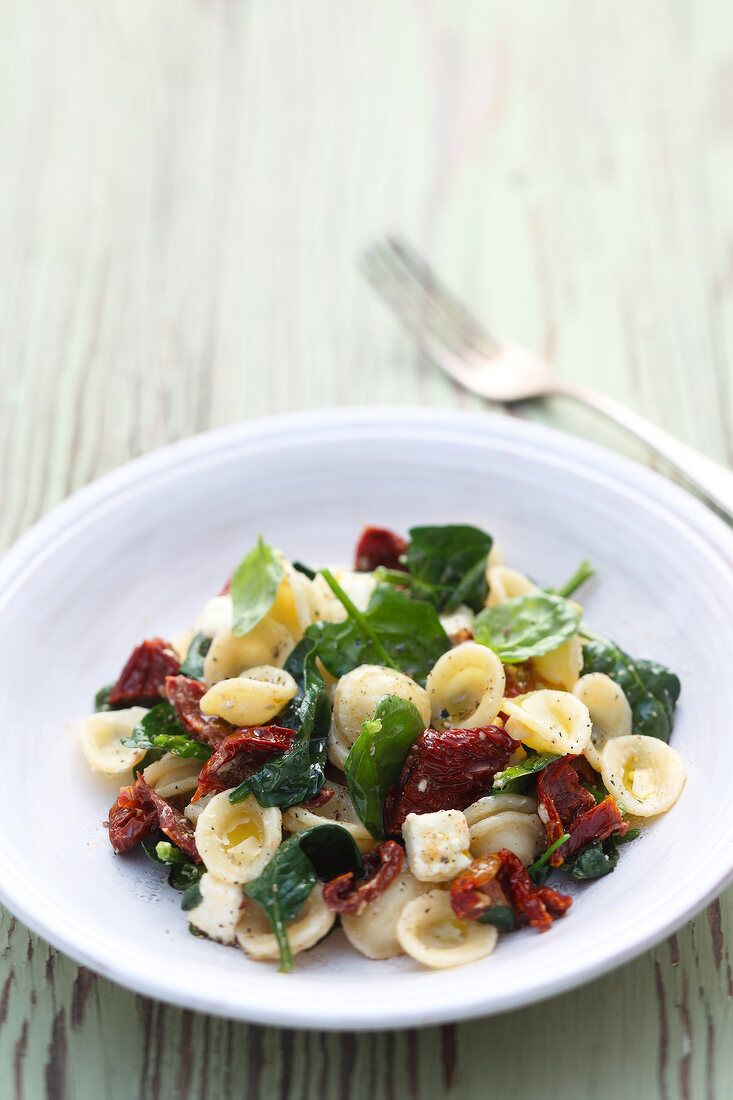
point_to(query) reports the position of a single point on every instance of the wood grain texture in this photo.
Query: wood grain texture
(185, 188)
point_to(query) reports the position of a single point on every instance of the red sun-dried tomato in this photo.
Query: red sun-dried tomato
(186, 695)
(172, 821)
(143, 678)
(238, 756)
(228, 586)
(131, 818)
(566, 806)
(348, 894)
(520, 678)
(324, 795)
(502, 879)
(379, 546)
(447, 770)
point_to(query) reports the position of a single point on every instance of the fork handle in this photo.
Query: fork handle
(707, 475)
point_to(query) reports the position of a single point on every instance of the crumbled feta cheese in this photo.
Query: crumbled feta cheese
(219, 910)
(437, 845)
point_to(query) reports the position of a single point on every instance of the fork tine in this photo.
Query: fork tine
(408, 285)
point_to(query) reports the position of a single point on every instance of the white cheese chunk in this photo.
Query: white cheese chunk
(458, 625)
(437, 845)
(219, 910)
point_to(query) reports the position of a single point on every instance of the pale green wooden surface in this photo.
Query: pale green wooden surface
(184, 189)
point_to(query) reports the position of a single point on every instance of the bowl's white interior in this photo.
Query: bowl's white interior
(138, 553)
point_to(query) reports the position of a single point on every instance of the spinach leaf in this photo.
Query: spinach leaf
(285, 884)
(193, 663)
(161, 730)
(191, 898)
(447, 565)
(376, 758)
(501, 916)
(652, 689)
(300, 773)
(583, 573)
(539, 871)
(598, 858)
(407, 632)
(254, 587)
(515, 779)
(101, 698)
(305, 570)
(526, 626)
(183, 871)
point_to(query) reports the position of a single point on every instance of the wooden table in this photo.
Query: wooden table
(185, 188)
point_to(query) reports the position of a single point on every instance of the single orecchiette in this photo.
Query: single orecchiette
(374, 932)
(269, 643)
(101, 740)
(609, 711)
(292, 606)
(466, 687)
(237, 841)
(326, 606)
(499, 803)
(339, 809)
(644, 774)
(173, 775)
(505, 583)
(431, 933)
(355, 700)
(313, 922)
(219, 910)
(548, 721)
(194, 809)
(560, 668)
(522, 833)
(251, 699)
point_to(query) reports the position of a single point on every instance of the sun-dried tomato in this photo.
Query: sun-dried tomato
(500, 879)
(172, 821)
(228, 586)
(348, 894)
(131, 818)
(565, 806)
(379, 546)
(143, 678)
(237, 757)
(520, 679)
(447, 770)
(324, 795)
(185, 695)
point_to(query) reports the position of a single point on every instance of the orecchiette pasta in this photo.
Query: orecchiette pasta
(292, 606)
(466, 687)
(458, 625)
(255, 935)
(561, 667)
(431, 933)
(101, 740)
(549, 721)
(237, 841)
(326, 607)
(644, 774)
(194, 809)
(355, 700)
(339, 809)
(251, 699)
(269, 643)
(609, 711)
(505, 583)
(173, 775)
(522, 833)
(499, 803)
(374, 932)
(219, 910)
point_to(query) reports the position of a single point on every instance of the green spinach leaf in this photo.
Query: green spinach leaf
(501, 916)
(323, 851)
(193, 663)
(183, 871)
(598, 858)
(254, 587)
(101, 698)
(160, 730)
(526, 626)
(539, 871)
(376, 758)
(514, 780)
(583, 573)
(447, 565)
(651, 688)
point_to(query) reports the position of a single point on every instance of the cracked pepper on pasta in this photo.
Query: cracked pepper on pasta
(419, 748)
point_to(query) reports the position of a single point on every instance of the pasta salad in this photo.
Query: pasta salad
(410, 748)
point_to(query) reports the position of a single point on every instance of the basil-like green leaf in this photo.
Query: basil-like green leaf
(193, 664)
(408, 630)
(375, 760)
(501, 916)
(514, 779)
(299, 774)
(447, 565)
(651, 688)
(161, 730)
(526, 626)
(254, 587)
(285, 884)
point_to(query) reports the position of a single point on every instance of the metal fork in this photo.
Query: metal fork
(501, 370)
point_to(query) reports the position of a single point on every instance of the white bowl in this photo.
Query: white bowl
(137, 554)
